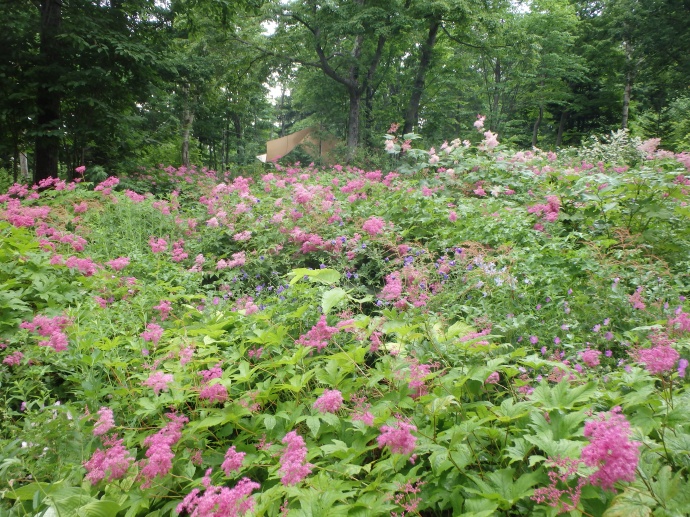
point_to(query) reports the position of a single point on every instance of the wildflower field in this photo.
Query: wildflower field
(475, 332)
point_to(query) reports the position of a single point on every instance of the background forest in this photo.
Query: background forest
(122, 84)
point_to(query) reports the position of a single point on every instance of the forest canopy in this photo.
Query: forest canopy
(122, 84)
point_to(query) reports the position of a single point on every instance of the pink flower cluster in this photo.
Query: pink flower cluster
(158, 245)
(293, 464)
(232, 461)
(159, 453)
(636, 299)
(563, 499)
(14, 359)
(319, 335)
(398, 437)
(158, 381)
(238, 260)
(114, 462)
(590, 357)
(105, 422)
(547, 211)
(18, 215)
(374, 226)
(219, 501)
(329, 402)
(153, 333)
(107, 186)
(52, 328)
(659, 359)
(178, 252)
(680, 324)
(213, 392)
(418, 372)
(85, 266)
(164, 308)
(119, 263)
(610, 449)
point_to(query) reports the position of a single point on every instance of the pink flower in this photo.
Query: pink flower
(398, 437)
(158, 381)
(329, 402)
(119, 263)
(493, 378)
(393, 288)
(590, 357)
(490, 140)
(158, 245)
(164, 308)
(105, 423)
(80, 208)
(610, 449)
(636, 299)
(14, 359)
(178, 252)
(159, 453)
(659, 359)
(374, 226)
(81, 169)
(243, 236)
(452, 216)
(479, 123)
(293, 464)
(319, 335)
(566, 499)
(219, 501)
(233, 461)
(152, 333)
(214, 393)
(113, 462)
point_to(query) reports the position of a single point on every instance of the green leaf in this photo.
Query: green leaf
(331, 298)
(314, 425)
(323, 276)
(630, 504)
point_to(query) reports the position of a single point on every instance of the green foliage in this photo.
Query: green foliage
(442, 296)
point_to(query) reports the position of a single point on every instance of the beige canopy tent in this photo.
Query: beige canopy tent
(314, 145)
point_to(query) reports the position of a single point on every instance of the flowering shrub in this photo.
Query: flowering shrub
(275, 345)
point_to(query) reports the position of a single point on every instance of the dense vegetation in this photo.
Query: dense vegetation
(127, 83)
(479, 332)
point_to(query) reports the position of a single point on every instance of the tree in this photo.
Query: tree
(348, 39)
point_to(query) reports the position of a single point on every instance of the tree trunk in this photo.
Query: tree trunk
(493, 124)
(237, 125)
(48, 98)
(629, 73)
(561, 128)
(535, 129)
(353, 122)
(412, 113)
(187, 122)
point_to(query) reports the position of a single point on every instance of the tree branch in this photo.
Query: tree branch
(480, 47)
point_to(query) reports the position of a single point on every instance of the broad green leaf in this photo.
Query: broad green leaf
(331, 298)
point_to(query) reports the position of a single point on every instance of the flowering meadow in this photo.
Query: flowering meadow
(476, 331)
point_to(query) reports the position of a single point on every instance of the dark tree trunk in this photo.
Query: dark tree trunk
(535, 129)
(561, 128)
(47, 96)
(629, 75)
(353, 119)
(493, 124)
(187, 122)
(412, 113)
